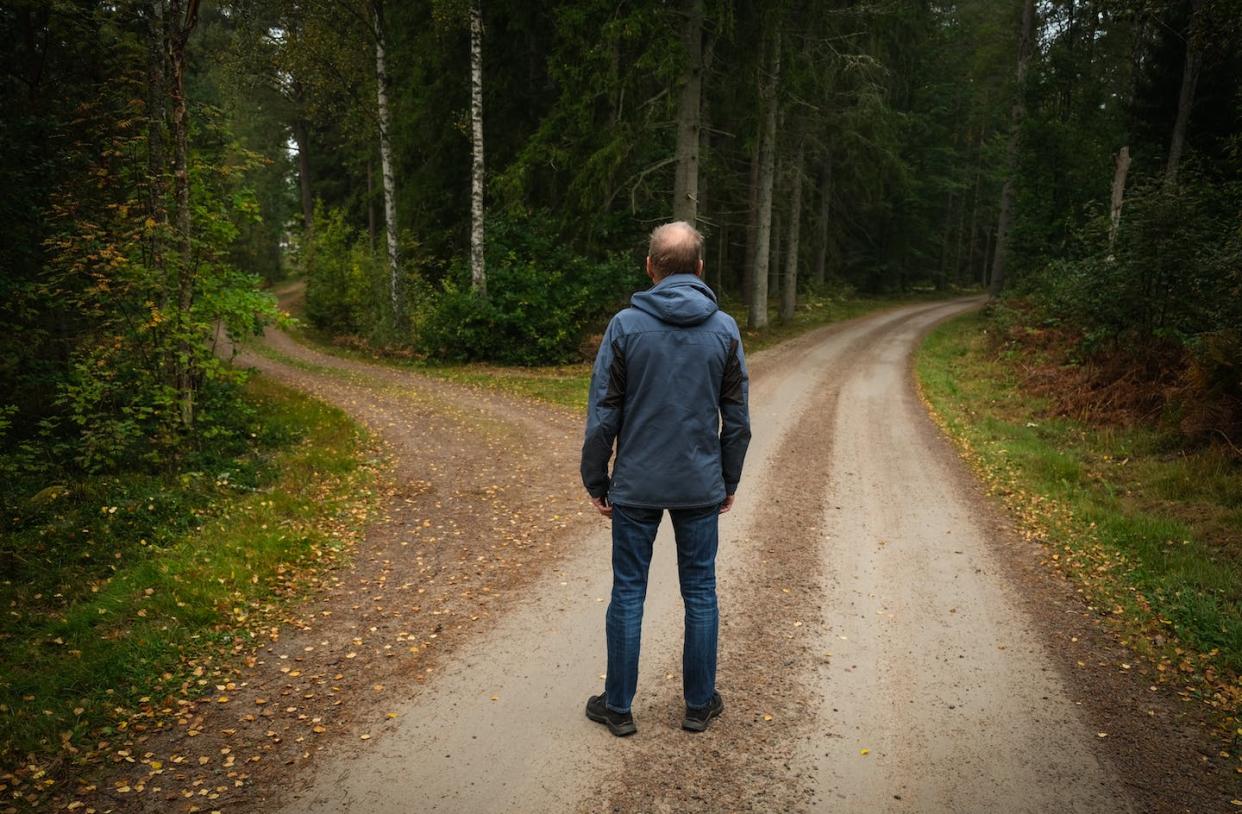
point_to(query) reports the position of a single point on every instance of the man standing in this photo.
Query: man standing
(670, 387)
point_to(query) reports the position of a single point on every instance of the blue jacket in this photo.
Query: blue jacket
(670, 387)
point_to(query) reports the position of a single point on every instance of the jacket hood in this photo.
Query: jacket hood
(679, 299)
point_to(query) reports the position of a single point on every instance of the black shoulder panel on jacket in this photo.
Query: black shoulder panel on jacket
(614, 399)
(731, 383)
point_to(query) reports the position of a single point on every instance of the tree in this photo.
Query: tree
(789, 289)
(183, 16)
(689, 117)
(758, 303)
(1186, 96)
(386, 164)
(1015, 135)
(478, 278)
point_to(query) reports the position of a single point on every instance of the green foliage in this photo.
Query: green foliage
(114, 582)
(347, 282)
(542, 299)
(337, 288)
(1175, 272)
(120, 274)
(1151, 533)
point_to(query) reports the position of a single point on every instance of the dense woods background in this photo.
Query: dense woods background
(473, 179)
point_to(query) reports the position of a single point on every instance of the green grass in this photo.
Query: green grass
(1153, 533)
(129, 581)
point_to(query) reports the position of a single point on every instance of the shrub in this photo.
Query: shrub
(1155, 322)
(542, 299)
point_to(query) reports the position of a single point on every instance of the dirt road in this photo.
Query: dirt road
(887, 644)
(873, 655)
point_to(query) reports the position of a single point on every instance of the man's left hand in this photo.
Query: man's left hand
(727, 504)
(601, 506)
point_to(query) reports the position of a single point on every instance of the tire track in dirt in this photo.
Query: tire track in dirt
(772, 622)
(501, 728)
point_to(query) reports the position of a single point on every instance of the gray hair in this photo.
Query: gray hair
(675, 248)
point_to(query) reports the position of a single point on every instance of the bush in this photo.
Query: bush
(347, 284)
(542, 299)
(1155, 322)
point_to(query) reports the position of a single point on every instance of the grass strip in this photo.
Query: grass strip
(1149, 531)
(160, 621)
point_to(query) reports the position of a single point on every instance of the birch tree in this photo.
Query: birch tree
(386, 167)
(478, 274)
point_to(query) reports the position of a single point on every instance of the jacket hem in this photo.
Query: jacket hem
(695, 505)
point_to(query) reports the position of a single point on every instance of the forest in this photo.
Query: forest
(464, 182)
(472, 182)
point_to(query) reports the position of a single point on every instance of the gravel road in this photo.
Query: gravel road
(874, 655)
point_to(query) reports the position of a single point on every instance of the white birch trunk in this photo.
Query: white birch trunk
(1118, 196)
(478, 273)
(386, 170)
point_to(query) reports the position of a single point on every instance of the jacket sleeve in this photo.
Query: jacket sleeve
(605, 410)
(734, 415)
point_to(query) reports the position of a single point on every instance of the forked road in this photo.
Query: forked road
(873, 655)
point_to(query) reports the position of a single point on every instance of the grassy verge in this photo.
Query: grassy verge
(1152, 533)
(567, 385)
(150, 583)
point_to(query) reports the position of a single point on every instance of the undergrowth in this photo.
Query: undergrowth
(1151, 530)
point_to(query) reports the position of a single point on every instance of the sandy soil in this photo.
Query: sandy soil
(887, 643)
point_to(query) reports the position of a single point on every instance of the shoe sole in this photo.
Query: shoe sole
(620, 730)
(695, 725)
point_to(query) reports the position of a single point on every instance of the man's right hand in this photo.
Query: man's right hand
(727, 504)
(601, 506)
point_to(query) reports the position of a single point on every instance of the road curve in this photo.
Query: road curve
(873, 656)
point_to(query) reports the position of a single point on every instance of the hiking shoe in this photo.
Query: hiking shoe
(618, 723)
(696, 720)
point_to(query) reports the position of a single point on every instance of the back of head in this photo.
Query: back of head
(675, 248)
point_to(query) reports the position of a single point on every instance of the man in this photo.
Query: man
(670, 387)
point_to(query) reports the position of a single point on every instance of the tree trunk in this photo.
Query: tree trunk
(478, 274)
(371, 205)
(942, 278)
(1118, 197)
(825, 214)
(1015, 134)
(157, 93)
(301, 139)
(987, 256)
(182, 19)
(386, 169)
(774, 254)
(689, 118)
(758, 316)
(973, 252)
(789, 290)
(752, 227)
(1186, 98)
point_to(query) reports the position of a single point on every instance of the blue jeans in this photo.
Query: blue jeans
(633, 533)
